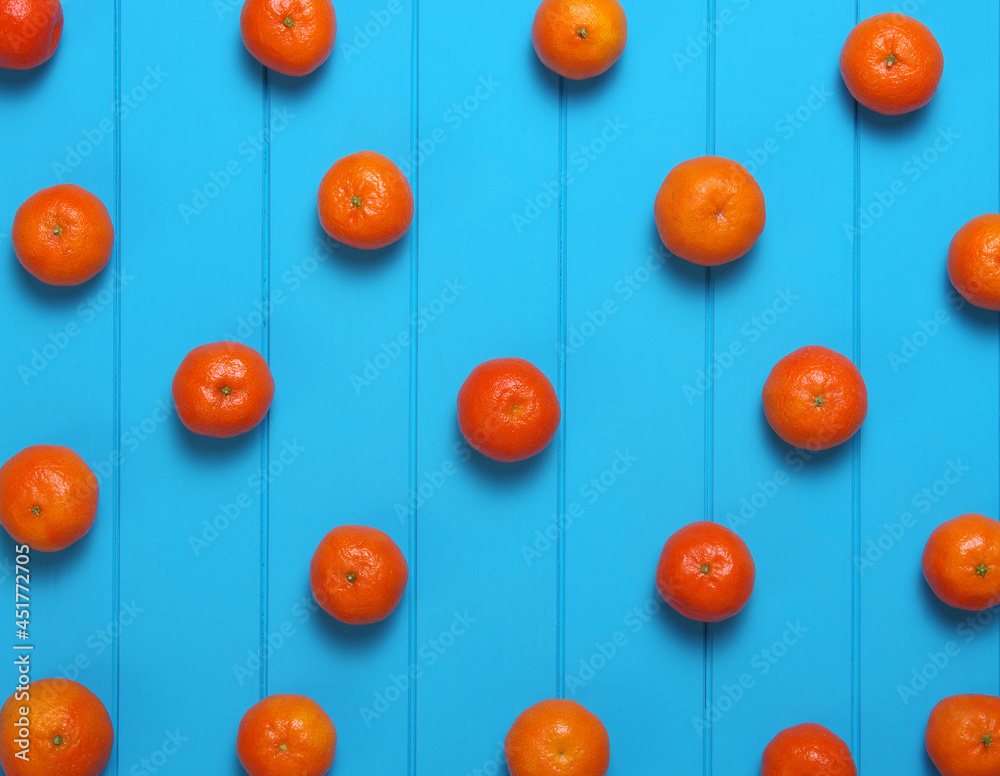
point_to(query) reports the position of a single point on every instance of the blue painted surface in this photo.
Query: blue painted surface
(189, 599)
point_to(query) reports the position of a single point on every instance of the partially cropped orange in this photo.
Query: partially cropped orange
(63, 235)
(815, 398)
(974, 261)
(30, 31)
(358, 574)
(807, 750)
(48, 497)
(961, 562)
(963, 735)
(891, 63)
(365, 201)
(709, 210)
(292, 37)
(508, 409)
(557, 738)
(222, 389)
(69, 730)
(286, 735)
(579, 38)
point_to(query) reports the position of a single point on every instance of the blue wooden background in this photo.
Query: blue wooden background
(189, 599)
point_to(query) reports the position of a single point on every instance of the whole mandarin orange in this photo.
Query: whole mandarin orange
(709, 210)
(48, 497)
(705, 572)
(579, 38)
(292, 37)
(508, 409)
(358, 574)
(815, 398)
(63, 235)
(365, 201)
(891, 63)
(222, 389)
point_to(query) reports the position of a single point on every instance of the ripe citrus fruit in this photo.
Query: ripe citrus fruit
(963, 735)
(365, 201)
(507, 409)
(67, 728)
(63, 235)
(961, 562)
(579, 38)
(709, 210)
(814, 398)
(48, 497)
(358, 574)
(974, 261)
(292, 37)
(29, 32)
(807, 750)
(222, 389)
(557, 738)
(284, 735)
(705, 572)
(891, 63)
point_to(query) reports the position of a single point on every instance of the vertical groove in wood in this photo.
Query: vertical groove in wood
(411, 756)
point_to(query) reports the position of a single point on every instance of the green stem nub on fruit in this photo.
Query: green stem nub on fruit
(57, 231)
(987, 739)
(282, 747)
(226, 390)
(57, 740)
(351, 577)
(288, 22)
(819, 401)
(355, 201)
(582, 32)
(891, 60)
(705, 569)
(981, 569)
(36, 510)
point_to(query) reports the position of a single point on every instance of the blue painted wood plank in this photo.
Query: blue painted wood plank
(635, 334)
(488, 230)
(787, 658)
(57, 378)
(339, 435)
(929, 451)
(192, 182)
